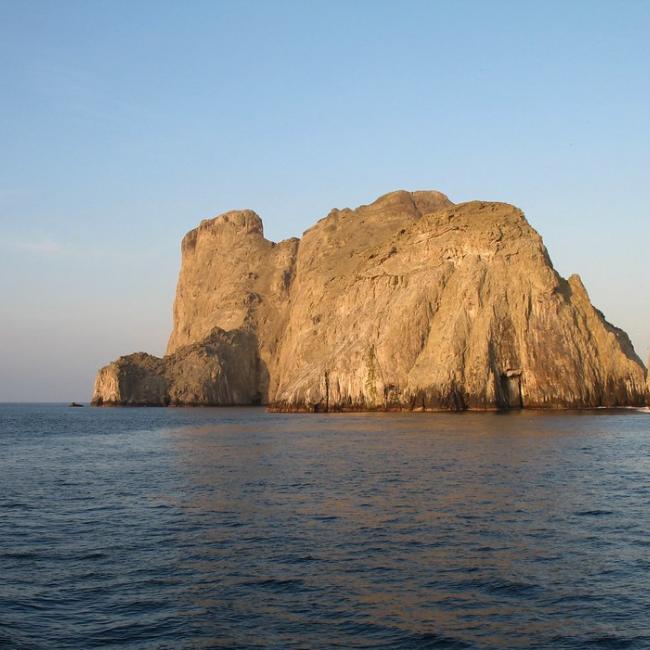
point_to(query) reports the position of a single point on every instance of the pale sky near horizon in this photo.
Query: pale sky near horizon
(123, 124)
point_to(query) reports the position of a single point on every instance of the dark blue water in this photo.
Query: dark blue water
(235, 528)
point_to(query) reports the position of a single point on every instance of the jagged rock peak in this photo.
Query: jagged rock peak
(422, 201)
(233, 223)
(409, 302)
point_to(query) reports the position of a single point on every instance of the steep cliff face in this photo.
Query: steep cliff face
(458, 308)
(411, 302)
(233, 278)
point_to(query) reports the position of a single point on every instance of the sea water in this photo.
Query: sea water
(237, 528)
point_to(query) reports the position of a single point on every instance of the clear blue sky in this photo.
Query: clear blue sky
(122, 124)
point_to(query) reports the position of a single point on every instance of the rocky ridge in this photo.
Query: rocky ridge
(411, 302)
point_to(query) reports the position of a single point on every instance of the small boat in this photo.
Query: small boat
(75, 404)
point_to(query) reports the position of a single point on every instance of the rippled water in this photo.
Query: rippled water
(209, 528)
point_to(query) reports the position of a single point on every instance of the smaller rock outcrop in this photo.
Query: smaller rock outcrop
(222, 369)
(133, 380)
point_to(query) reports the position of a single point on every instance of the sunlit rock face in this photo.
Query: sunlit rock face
(411, 302)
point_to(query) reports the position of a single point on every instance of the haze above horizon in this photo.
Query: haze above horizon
(125, 124)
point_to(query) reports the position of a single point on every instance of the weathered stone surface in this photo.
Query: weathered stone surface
(233, 278)
(134, 380)
(411, 302)
(223, 369)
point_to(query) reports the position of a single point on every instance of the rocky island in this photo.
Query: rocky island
(409, 303)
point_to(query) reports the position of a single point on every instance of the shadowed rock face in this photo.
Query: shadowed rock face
(411, 302)
(224, 369)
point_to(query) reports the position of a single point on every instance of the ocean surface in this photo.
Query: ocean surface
(236, 528)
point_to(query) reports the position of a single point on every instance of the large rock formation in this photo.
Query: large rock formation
(411, 302)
